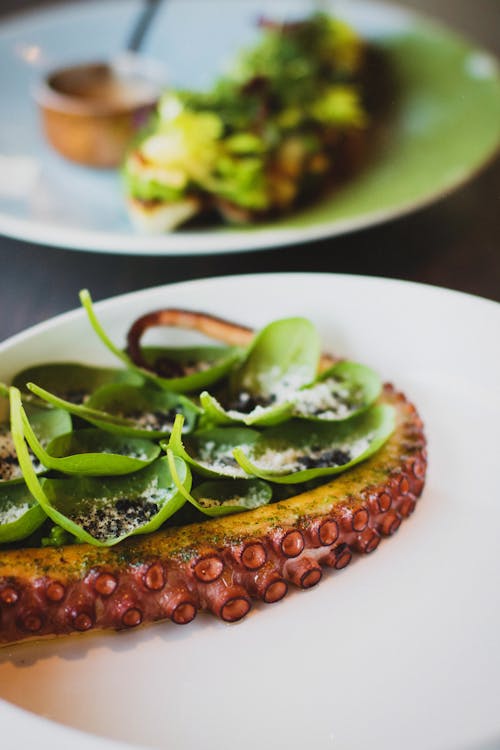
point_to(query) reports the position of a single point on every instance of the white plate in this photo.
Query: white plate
(447, 123)
(400, 650)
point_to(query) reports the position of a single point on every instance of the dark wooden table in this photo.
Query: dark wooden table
(455, 243)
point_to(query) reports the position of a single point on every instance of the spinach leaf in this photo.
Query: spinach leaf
(282, 358)
(210, 452)
(20, 513)
(299, 451)
(47, 424)
(220, 360)
(93, 452)
(143, 412)
(224, 496)
(102, 510)
(342, 391)
(73, 381)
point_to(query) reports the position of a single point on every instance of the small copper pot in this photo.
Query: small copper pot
(91, 112)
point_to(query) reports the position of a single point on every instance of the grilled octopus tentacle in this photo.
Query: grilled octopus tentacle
(222, 564)
(215, 328)
(226, 331)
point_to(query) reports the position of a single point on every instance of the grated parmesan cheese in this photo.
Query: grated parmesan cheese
(106, 518)
(251, 498)
(12, 513)
(9, 465)
(329, 399)
(292, 459)
(152, 421)
(219, 458)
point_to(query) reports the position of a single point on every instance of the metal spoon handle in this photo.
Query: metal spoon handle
(142, 25)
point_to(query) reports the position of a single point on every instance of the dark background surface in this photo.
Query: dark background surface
(455, 243)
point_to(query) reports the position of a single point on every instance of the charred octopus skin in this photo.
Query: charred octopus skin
(220, 565)
(212, 326)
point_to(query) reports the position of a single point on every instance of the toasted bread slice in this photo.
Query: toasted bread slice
(157, 217)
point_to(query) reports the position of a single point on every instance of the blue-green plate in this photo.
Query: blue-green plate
(444, 126)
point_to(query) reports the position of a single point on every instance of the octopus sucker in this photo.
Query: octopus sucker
(208, 568)
(154, 577)
(226, 600)
(30, 622)
(288, 543)
(178, 605)
(275, 591)
(235, 607)
(339, 557)
(252, 555)
(304, 573)
(407, 506)
(355, 520)
(367, 542)
(82, 621)
(9, 596)
(382, 502)
(222, 564)
(105, 584)
(132, 617)
(184, 613)
(268, 585)
(390, 524)
(55, 591)
(328, 531)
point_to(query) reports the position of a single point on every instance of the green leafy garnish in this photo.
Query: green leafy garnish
(73, 381)
(282, 358)
(108, 482)
(342, 391)
(220, 359)
(93, 452)
(143, 412)
(223, 497)
(299, 451)
(46, 423)
(210, 452)
(102, 510)
(20, 514)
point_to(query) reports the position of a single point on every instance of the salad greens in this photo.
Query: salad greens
(219, 498)
(92, 452)
(297, 452)
(97, 510)
(343, 390)
(63, 481)
(220, 360)
(20, 513)
(73, 381)
(46, 425)
(210, 451)
(141, 412)
(283, 357)
(267, 135)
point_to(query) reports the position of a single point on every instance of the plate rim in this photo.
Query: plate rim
(120, 298)
(45, 729)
